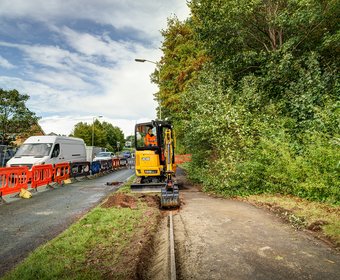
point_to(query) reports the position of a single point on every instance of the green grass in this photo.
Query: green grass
(307, 211)
(88, 249)
(125, 188)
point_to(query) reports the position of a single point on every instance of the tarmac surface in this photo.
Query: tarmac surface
(219, 238)
(27, 223)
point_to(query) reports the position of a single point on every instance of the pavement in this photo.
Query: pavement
(27, 223)
(219, 238)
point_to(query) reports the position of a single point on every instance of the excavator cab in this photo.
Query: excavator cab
(155, 161)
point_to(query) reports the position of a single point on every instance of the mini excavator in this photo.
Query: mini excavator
(155, 161)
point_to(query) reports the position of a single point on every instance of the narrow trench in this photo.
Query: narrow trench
(158, 260)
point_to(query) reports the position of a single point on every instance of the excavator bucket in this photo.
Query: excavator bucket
(170, 197)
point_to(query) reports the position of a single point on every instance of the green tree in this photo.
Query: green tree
(181, 60)
(113, 135)
(262, 113)
(104, 134)
(15, 117)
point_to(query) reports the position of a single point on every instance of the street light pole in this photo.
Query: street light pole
(159, 82)
(93, 119)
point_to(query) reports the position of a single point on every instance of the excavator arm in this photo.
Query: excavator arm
(169, 193)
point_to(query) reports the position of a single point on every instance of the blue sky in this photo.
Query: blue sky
(75, 59)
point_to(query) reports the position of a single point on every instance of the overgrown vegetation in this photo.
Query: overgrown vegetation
(253, 88)
(318, 217)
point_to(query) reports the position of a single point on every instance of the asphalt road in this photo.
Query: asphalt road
(26, 224)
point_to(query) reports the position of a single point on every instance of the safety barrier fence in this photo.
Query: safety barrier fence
(95, 167)
(80, 169)
(61, 172)
(103, 165)
(123, 162)
(13, 179)
(115, 163)
(41, 175)
(109, 165)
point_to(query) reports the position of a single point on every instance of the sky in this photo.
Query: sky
(76, 58)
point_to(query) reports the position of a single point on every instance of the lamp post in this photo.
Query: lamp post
(159, 82)
(93, 119)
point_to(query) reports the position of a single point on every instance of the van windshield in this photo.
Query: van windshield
(104, 154)
(36, 150)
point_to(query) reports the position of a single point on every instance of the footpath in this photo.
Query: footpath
(219, 238)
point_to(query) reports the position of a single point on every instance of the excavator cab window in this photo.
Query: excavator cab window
(146, 136)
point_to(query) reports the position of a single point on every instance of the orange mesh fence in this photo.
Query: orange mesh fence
(182, 158)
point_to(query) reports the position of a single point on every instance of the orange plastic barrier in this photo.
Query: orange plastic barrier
(115, 163)
(41, 175)
(12, 179)
(61, 172)
(182, 158)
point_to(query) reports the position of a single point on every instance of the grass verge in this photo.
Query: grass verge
(106, 243)
(321, 218)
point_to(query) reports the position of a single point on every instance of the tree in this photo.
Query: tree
(15, 117)
(182, 59)
(105, 134)
(113, 135)
(262, 113)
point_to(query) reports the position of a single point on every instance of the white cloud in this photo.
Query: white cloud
(148, 16)
(86, 74)
(5, 63)
(65, 125)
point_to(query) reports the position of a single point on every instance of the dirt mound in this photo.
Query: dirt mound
(151, 200)
(121, 200)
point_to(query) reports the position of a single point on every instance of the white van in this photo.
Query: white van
(38, 150)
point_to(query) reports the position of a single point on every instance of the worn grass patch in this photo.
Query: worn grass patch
(126, 188)
(321, 218)
(96, 247)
